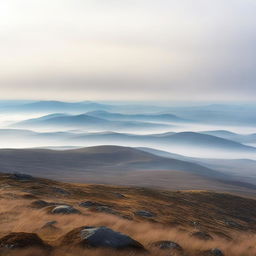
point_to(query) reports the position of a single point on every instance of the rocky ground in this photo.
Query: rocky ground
(44, 217)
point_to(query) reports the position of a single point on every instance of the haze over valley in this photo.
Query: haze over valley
(47, 130)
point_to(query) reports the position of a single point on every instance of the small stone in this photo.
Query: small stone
(64, 209)
(22, 177)
(89, 204)
(167, 245)
(50, 225)
(213, 252)
(146, 214)
(39, 204)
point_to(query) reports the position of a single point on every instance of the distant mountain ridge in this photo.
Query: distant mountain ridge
(212, 114)
(88, 122)
(137, 117)
(242, 138)
(172, 142)
(171, 139)
(52, 106)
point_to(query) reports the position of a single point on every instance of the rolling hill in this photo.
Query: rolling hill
(117, 165)
(185, 143)
(206, 140)
(240, 169)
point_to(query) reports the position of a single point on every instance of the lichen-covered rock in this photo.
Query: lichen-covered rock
(99, 237)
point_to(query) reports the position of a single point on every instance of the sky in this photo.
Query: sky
(128, 50)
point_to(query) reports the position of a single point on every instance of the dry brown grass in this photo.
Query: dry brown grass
(179, 208)
(16, 216)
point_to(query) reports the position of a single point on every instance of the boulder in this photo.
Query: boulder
(22, 240)
(146, 214)
(64, 209)
(202, 236)
(167, 245)
(99, 237)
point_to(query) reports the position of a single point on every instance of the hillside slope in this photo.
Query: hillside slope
(229, 220)
(117, 165)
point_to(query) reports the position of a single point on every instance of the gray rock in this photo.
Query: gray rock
(146, 214)
(100, 237)
(60, 191)
(106, 209)
(39, 204)
(167, 245)
(22, 177)
(22, 240)
(64, 209)
(42, 204)
(213, 252)
(89, 204)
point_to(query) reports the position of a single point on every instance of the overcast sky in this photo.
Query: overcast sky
(128, 49)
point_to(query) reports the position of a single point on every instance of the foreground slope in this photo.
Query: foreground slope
(146, 215)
